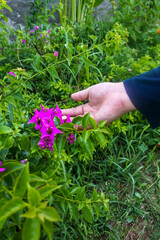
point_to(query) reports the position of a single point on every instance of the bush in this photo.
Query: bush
(63, 193)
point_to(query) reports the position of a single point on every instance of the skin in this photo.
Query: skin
(106, 101)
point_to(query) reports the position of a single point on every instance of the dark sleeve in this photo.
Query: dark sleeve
(144, 93)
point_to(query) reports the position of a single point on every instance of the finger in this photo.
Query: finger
(81, 95)
(73, 111)
(80, 128)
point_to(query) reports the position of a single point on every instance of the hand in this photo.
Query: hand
(107, 101)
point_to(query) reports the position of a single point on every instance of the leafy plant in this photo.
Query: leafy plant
(65, 194)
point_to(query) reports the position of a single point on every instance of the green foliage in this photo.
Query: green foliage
(66, 194)
(134, 15)
(78, 10)
(3, 4)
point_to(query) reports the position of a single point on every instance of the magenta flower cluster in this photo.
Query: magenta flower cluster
(44, 121)
(71, 138)
(23, 41)
(34, 30)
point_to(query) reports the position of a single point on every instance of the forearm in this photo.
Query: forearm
(144, 93)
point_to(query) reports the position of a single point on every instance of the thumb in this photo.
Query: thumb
(81, 95)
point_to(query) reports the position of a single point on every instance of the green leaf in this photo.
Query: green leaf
(85, 120)
(11, 166)
(69, 47)
(87, 214)
(101, 139)
(25, 84)
(8, 142)
(69, 59)
(130, 219)
(7, 7)
(33, 196)
(37, 60)
(143, 147)
(132, 2)
(97, 3)
(97, 209)
(94, 38)
(94, 196)
(2, 57)
(2, 107)
(86, 135)
(66, 126)
(5, 129)
(100, 48)
(11, 206)
(46, 190)
(2, 202)
(31, 229)
(81, 194)
(4, 17)
(24, 142)
(10, 108)
(138, 195)
(101, 123)
(60, 142)
(48, 227)
(49, 56)
(50, 214)
(2, 25)
(21, 182)
(87, 146)
(74, 213)
(77, 120)
(31, 213)
(92, 122)
(10, 100)
(56, 121)
(35, 178)
(28, 85)
(18, 96)
(87, 61)
(52, 71)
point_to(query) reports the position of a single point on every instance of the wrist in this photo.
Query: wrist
(128, 105)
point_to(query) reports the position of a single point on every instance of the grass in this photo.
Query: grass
(127, 171)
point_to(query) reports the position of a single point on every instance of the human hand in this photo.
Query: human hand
(107, 101)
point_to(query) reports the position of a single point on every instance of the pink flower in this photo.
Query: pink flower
(56, 54)
(44, 120)
(11, 73)
(48, 31)
(66, 119)
(52, 37)
(36, 28)
(71, 138)
(46, 35)
(23, 41)
(40, 34)
(2, 169)
(46, 141)
(57, 112)
(31, 31)
(40, 117)
(49, 128)
(23, 161)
